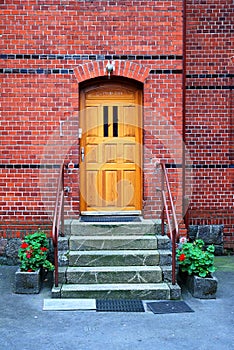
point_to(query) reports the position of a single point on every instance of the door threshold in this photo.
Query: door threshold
(110, 219)
(112, 213)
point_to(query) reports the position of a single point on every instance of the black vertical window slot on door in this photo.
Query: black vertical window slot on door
(105, 120)
(115, 121)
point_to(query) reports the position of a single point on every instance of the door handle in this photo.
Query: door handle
(82, 154)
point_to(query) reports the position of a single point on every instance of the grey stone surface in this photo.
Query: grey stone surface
(62, 274)
(112, 242)
(167, 273)
(12, 249)
(56, 291)
(163, 242)
(114, 253)
(165, 257)
(3, 260)
(67, 227)
(202, 288)
(3, 244)
(115, 274)
(28, 282)
(193, 229)
(132, 228)
(175, 291)
(210, 234)
(113, 258)
(111, 291)
(157, 227)
(63, 258)
(63, 243)
(69, 304)
(213, 234)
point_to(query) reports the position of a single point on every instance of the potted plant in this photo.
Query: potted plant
(33, 258)
(196, 265)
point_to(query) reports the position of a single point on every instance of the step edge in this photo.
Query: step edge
(114, 252)
(112, 268)
(115, 286)
(121, 237)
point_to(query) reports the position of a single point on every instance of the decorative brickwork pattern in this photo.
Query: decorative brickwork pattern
(125, 69)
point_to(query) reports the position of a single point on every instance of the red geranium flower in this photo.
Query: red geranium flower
(182, 257)
(43, 249)
(29, 270)
(24, 245)
(28, 256)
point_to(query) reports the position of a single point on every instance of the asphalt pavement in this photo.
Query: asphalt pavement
(24, 325)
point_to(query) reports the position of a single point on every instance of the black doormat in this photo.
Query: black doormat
(169, 307)
(119, 305)
(95, 218)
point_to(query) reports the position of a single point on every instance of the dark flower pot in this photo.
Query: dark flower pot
(28, 282)
(202, 287)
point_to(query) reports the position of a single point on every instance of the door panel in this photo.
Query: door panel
(110, 172)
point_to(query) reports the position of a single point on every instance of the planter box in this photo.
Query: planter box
(28, 282)
(202, 288)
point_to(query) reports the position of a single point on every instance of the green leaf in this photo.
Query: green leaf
(202, 274)
(211, 269)
(199, 261)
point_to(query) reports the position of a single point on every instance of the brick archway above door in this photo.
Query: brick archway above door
(125, 69)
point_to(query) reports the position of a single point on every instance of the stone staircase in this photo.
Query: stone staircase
(115, 260)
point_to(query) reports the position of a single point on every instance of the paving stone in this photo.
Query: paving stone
(69, 304)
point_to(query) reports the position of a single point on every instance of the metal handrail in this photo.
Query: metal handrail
(58, 219)
(172, 228)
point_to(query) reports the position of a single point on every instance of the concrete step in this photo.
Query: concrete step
(147, 291)
(113, 274)
(75, 227)
(166, 271)
(113, 242)
(120, 258)
(116, 260)
(163, 242)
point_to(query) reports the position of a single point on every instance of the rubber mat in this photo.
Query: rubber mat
(168, 307)
(119, 305)
(110, 219)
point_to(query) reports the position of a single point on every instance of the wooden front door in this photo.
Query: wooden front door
(110, 159)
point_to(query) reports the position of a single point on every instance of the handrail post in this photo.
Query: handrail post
(62, 214)
(174, 257)
(56, 263)
(162, 201)
(172, 231)
(57, 219)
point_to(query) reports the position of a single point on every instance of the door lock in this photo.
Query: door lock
(82, 154)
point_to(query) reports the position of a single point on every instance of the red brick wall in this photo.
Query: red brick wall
(49, 47)
(209, 110)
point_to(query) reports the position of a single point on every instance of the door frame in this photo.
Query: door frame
(136, 87)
